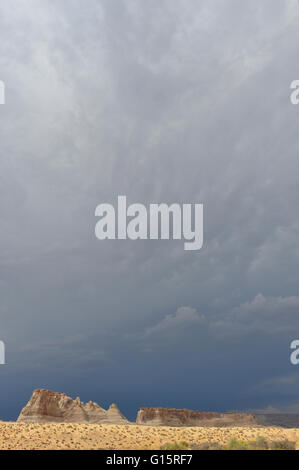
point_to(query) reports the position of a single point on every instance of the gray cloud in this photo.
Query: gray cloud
(183, 316)
(286, 384)
(165, 102)
(271, 315)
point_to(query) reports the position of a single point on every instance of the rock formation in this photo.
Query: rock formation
(174, 417)
(45, 406)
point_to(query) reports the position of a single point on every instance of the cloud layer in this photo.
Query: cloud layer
(164, 102)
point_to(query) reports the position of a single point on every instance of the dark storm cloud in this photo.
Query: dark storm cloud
(164, 102)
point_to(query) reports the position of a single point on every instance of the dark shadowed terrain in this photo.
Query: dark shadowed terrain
(286, 420)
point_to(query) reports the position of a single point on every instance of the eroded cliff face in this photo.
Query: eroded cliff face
(47, 406)
(174, 417)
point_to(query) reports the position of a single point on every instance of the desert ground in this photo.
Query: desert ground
(72, 436)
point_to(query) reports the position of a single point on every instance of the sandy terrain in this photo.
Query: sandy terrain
(107, 436)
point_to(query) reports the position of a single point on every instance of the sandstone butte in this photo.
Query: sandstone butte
(47, 406)
(174, 417)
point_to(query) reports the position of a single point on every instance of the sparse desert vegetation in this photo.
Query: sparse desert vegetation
(261, 443)
(44, 436)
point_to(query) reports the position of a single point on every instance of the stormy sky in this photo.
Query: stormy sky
(168, 101)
